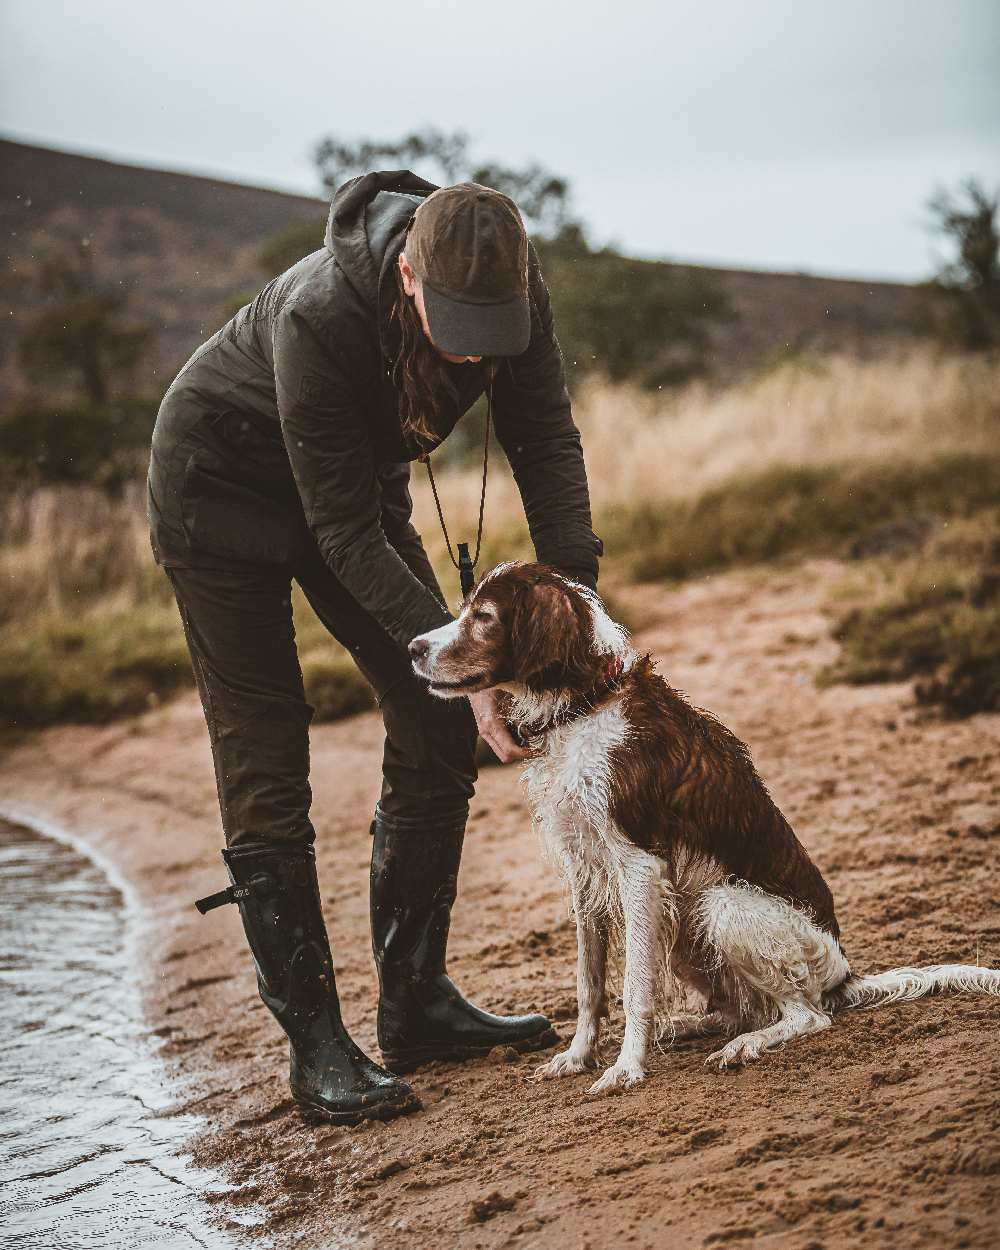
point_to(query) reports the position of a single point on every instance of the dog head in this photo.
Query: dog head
(526, 629)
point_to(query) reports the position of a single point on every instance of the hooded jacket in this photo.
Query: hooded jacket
(287, 421)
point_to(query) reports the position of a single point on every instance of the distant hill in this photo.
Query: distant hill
(183, 246)
(776, 312)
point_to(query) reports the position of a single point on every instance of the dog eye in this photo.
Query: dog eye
(479, 615)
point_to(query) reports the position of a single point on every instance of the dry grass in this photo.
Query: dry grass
(74, 564)
(642, 449)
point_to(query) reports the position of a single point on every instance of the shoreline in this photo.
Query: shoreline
(148, 1147)
(879, 1122)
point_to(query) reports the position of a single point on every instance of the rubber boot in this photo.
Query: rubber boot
(421, 1014)
(331, 1078)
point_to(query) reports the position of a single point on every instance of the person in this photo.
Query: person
(282, 451)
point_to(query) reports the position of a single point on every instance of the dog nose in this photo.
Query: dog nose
(419, 648)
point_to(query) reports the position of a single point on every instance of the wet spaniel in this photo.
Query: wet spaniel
(674, 851)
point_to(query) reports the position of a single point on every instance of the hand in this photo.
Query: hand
(493, 728)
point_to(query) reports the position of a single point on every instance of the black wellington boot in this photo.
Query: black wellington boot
(421, 1014)
(331, 1078)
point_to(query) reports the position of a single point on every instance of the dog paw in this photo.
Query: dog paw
(619, 1076)
(740, 1051)
(566, 1063)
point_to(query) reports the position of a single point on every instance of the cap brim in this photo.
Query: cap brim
(477, 329)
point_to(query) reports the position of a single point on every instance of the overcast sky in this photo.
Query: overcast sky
(784, 134)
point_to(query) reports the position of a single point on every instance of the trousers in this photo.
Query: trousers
(238, 625)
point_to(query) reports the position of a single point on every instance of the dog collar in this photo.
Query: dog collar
(610, 682)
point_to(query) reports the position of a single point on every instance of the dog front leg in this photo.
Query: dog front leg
(591, 1000)
(642, 905)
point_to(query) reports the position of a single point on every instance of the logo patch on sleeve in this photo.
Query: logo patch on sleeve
(311, 388)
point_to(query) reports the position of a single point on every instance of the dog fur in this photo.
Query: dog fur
(677, 858)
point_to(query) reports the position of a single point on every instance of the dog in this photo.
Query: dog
(675, 854)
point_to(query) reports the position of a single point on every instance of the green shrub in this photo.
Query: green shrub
(287, 247)
(335, 687)
(895, 640)
(116, 663)
(645, 320)
(48, 442)
(946, 633)
(797, 511)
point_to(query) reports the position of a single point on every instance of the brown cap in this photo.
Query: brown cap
(468, 246)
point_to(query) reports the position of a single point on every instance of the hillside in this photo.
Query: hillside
(182, 246)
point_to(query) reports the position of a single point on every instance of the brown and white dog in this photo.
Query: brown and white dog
(671, 845)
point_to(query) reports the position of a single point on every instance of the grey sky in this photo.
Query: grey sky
(792, 134)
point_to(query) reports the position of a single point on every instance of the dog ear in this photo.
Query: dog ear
(545, 630)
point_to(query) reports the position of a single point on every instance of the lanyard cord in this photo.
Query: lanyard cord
(466, 565)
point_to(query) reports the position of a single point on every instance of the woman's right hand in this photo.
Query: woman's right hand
(493, 728)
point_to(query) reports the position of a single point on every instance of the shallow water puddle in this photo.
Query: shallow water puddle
(85, 1158)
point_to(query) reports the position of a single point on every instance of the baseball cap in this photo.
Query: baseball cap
(468, 246)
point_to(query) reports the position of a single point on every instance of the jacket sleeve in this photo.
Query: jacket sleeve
(397, 508)
(535, 427)
(326, 433)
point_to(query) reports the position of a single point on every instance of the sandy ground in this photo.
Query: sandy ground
(881, 1131)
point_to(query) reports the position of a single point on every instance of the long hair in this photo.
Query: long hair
(421, 373)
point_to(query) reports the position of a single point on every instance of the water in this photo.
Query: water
(87, 1159)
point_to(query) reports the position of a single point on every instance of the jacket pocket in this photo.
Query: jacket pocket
(224, 515)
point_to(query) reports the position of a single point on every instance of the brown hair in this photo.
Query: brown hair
(421, 373)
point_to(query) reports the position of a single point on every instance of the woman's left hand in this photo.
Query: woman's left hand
(493, 728)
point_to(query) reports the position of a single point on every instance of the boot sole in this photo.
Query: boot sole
(316, 1113)
(403, 1061)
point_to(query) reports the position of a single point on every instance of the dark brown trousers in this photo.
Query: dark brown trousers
(238, 624)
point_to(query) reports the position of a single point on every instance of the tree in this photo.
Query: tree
(339, 161)
(83, 329)
(542, 197)
(87, 336)
(642, 320)
(968, 221)
(283, 249)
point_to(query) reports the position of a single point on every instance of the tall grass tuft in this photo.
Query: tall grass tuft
(933, 616)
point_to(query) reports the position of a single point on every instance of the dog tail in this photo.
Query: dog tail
(900, 985)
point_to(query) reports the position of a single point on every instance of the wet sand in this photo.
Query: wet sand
(881, 1131)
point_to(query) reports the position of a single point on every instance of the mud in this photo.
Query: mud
(881, 1131)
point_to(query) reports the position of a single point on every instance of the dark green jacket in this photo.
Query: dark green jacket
(286, 421)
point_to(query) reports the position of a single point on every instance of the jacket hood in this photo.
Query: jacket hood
(368, 219)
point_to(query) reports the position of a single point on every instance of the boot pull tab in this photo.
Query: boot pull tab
(231, 894)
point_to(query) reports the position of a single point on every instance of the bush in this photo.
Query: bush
(798, 511)
(643, 320)
(284, 249)
(112, 664)
(943, 632)
(46, 442)
(335, 687)
(119, 663)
